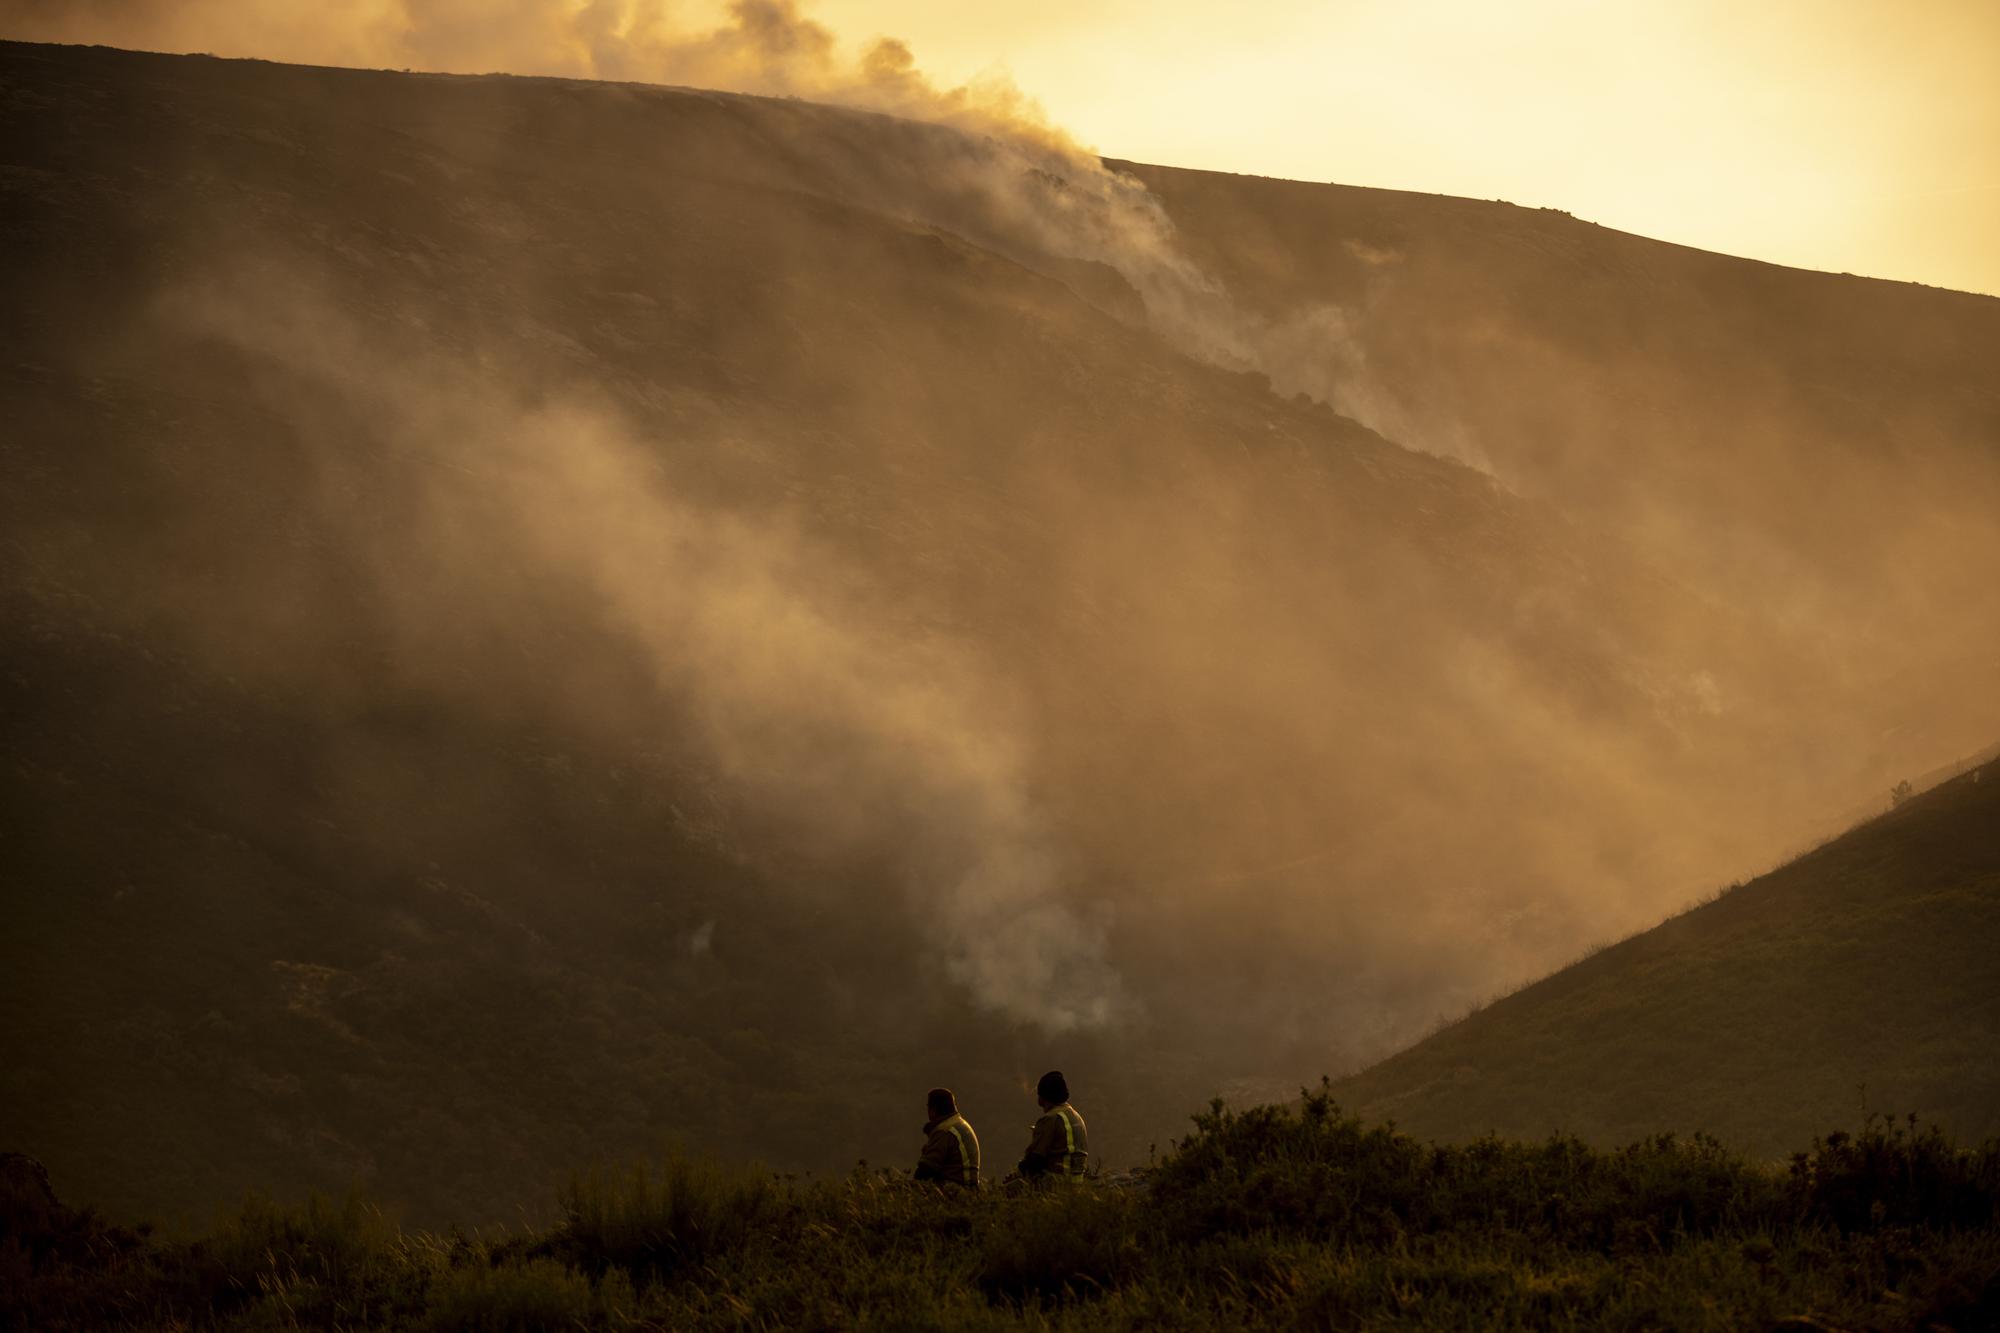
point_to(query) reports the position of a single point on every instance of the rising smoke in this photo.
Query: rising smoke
(1245, 711)
(1030, 188)
(804, 692)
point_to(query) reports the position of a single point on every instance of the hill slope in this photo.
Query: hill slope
(545, 616)
(1863, 977)
(531, 631)
(1813, 450)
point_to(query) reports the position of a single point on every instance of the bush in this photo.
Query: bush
(1896, 1175)
(1657, 1193)
(1311, 1172)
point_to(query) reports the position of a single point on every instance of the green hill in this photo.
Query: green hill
(1861, 978)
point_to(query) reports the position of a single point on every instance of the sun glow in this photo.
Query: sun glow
(1862, 137)
(1849, 135)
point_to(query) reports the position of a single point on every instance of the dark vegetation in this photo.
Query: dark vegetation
(1282, 1216)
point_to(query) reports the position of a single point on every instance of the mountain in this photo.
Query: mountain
(1861, 978)
(546, 616)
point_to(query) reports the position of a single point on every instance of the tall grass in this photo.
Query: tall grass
(658, 1220)
(326, 1262)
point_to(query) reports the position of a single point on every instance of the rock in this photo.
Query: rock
(28, 1206)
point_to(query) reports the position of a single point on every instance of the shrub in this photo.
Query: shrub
(1896, 1175)
(1309, 1171)
(1657, 1192)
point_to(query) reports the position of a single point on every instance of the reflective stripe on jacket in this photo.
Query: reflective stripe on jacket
(951, 1153)
(1058, 1145)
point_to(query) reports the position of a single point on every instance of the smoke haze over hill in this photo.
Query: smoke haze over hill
(775, 647)
(544, 525)
(1023, 181)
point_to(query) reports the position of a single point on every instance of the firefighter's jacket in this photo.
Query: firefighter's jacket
(1058, 1145)
(951, 1153)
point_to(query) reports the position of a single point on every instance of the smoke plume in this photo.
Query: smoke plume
(1030, 188)
(1342, 730)
(854, 731)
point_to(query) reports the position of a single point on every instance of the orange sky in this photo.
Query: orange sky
(1855, 135)
(1834, 134)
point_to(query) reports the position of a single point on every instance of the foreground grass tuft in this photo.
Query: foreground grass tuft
(656, 1223)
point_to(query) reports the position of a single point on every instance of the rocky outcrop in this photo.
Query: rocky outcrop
(27, 1201)
(30, 1216)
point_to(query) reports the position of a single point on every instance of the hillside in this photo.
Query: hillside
(1861, 978)
(544, 617)
(1816, 452)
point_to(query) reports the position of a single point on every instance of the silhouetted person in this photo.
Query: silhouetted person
(1058, 1145)
(951, 1149)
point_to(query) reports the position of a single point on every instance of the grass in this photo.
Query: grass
(1276, 1217)
(1857, 978)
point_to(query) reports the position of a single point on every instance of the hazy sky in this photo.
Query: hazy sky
(1850, 135)
(1856, 135)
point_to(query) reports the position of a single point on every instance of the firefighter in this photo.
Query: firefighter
(1058, 1145)
(951, 1149)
